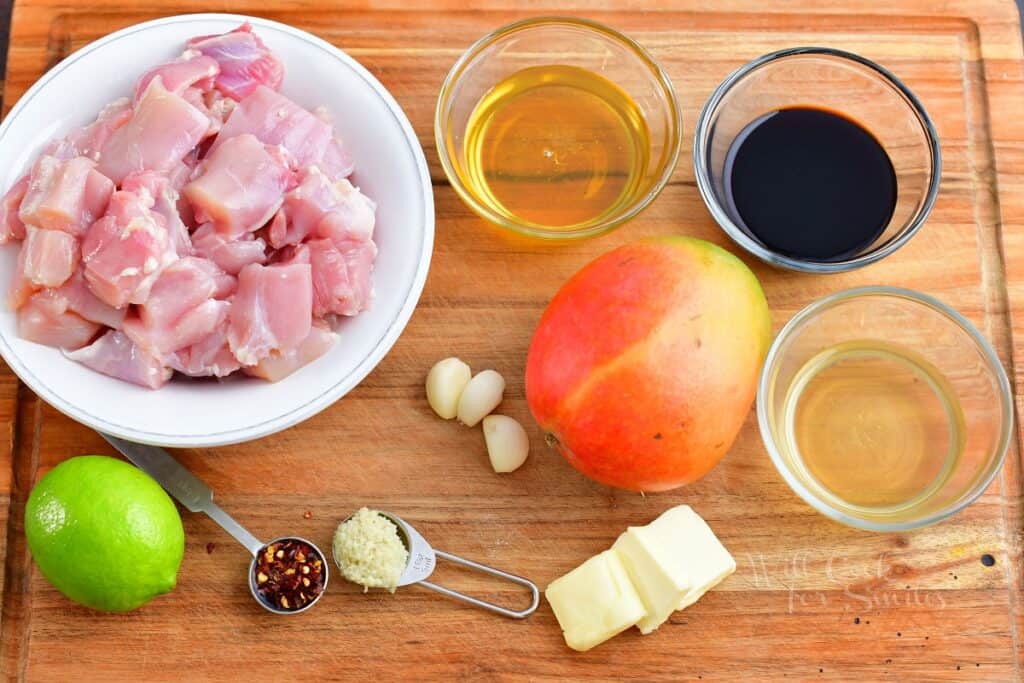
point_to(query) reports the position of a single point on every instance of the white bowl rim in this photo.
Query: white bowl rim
(345, 384)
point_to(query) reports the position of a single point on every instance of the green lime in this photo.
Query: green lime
(104, 533)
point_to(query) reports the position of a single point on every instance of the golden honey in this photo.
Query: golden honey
(556, 147)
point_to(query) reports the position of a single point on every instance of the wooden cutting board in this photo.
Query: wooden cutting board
(810, 600)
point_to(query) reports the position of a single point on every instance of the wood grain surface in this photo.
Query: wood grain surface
(810, 600)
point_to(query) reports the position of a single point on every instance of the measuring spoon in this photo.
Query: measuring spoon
(196, 496)
(423, 559)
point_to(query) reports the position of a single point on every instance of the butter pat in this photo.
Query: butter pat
(595, 601)
(672, 562)
(649, 555)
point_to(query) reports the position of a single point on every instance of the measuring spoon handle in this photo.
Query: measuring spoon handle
(504, 611)
(187, 488)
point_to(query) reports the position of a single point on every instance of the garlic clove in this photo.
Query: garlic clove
(507, 443)
(445, 383)
(480, 397)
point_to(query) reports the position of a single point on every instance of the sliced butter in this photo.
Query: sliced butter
(595, 601)
(649, 555)
(672, 562)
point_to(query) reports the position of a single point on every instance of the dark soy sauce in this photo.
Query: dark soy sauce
(810, 184)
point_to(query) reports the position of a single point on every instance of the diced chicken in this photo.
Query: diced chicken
(245, 62)
(271, 311)
(208, 357)
(48, 257)
(182, 286)
(277, 366)
(205, 225)
(87, 141)
(64, 195)
(160, 190)
(125, 250)
(179, 311)
(239, 186)
(115, 355)
(163, 338)
(350, 218)
(217, 107)
(162, 130)
(230, 255)
(320, 207)
(336, 162)
(341, 276)
(46, 319)
(191, 70)
(276, 120)
(276, 230)
(11, 227)
(82, 301)
(20, 288)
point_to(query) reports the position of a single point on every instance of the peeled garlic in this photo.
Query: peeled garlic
(480, 397)
(507, 443)
(445, 383)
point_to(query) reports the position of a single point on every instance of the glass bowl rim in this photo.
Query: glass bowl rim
(702, 137)
(811, 311)
(674, 132)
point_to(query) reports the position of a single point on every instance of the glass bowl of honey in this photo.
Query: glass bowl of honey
(557, 128)
(884, 409)
(817, 160)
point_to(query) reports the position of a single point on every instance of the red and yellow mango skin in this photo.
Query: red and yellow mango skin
(645, 364)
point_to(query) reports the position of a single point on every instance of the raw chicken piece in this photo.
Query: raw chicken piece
(271, 311)
(82, 301)
(208, 357)
(224, 284)
(276, 230)
(159, 188)
(114, 354)
(179, 311)
(164, 338)
(230, 255)
(276, 120)
(87, 141)
(64, 195)
(45, 319)
(278, 366)
(351, 218)
(341, 276)
(336, 162)
(182, 286)
(217, 107)
(245, 62)
(162, 130)
(125, 250)
(11, 227)
(192, 69)
(20, 288)
(239, 186)
(318, 206)
(48, 257)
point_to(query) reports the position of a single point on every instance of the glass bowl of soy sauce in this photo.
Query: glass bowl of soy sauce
(817, 160)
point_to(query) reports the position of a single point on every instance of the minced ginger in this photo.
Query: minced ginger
(369, 551)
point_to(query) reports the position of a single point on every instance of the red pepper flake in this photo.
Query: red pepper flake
(307, 515)
(210, 547)
(289, 574)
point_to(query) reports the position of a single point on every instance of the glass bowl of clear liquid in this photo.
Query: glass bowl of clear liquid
(557, 127)
(884, 409)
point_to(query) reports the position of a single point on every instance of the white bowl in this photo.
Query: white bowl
(390, 168)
